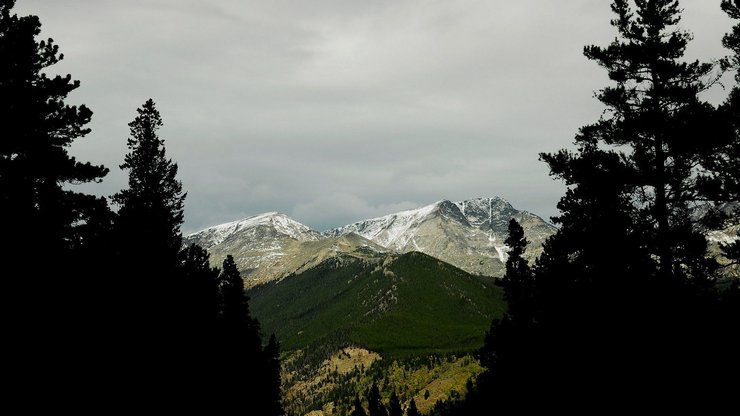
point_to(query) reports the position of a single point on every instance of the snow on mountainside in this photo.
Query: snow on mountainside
(391, 230)
(468, 234)
(250, 227)
(272, 246)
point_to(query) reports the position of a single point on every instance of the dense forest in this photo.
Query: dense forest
(105, 308)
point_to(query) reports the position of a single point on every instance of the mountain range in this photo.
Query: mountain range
(379, 293)
(467, 234)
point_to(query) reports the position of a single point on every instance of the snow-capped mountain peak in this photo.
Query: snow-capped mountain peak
(258, 224)
(469, 234)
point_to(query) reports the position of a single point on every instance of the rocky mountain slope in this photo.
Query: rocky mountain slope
(468, 234)
(272, 246)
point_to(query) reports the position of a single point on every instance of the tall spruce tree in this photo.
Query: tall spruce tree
(153, 319)
(151, 208)
(148, 228)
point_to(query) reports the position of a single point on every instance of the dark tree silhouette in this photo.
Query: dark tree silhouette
(254, 370)
(272, 378)
(412, 410)
(655, 119)
(375, 402)
(517, 282)
(200, 290)
(151, 208)
(358, 410)
(625, 290)
(48, 225)
(394, 406)
(156, 312)
(635, 188)
(724, 179)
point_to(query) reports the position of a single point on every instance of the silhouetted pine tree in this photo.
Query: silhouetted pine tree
(412, 410)
(724, 177)
(623, 290)
(358, 410)
(253, 371)
(634, 189)
(48, 226)
(154, 311)
(375, 402)
(148, 228)
(394, 405)
(517, 282)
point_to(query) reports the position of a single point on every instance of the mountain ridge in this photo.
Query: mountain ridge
(468, 234)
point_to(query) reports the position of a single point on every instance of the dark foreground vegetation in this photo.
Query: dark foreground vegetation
(105, 310)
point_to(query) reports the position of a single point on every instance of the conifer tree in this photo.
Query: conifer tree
(655, 119)
(412, 410)
(375, 402)
(236, 315)
(201, 301)
(394, 405)
(151, 208)
(726, 162)
(154, 302)
(358, 410)
(517, 282)
(48, 226)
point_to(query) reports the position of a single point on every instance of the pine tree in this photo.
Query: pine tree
(394, 406)
(154, 321)
(635, 187)
(48, 226)
(726, 162)
(236, 314)
(375, 402)
(655, 121)
(517, 282)
(151, 208)
(412, 410)
(358, 410)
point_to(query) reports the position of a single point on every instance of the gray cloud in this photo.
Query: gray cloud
(336, 110)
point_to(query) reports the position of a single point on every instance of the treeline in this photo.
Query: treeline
(104, 309)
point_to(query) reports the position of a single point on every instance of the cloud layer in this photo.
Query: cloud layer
(337, 110)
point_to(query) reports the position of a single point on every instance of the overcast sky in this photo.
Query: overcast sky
(332, 111)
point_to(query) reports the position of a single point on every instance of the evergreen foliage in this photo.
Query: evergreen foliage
(51, 232)
(375, 402)
(640, 183)
(358, 409)
(412, 411)
(394, 405)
